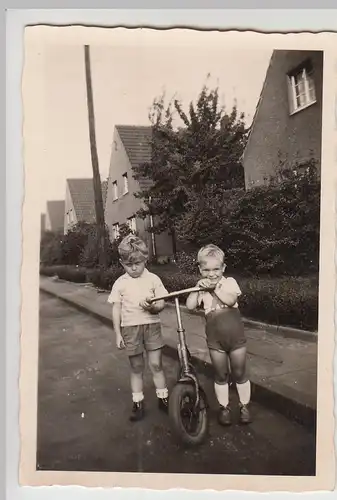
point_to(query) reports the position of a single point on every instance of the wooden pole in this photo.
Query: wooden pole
(99, 209)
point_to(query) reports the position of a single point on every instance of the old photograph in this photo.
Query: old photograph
(178, 253)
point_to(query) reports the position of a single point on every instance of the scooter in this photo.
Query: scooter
(188, 407)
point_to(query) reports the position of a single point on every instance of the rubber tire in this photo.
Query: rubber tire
(178, 392)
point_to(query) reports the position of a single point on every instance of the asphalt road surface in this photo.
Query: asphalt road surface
(84, 405)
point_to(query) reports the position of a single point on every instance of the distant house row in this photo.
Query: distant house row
(287, 125)
(78, 206)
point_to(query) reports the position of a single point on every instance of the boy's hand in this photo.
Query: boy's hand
(120, 342)
(205, 284)
(146, 304)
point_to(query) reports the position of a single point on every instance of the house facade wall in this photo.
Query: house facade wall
(70, 218)
(126, 205)
(47, 221)
(276, 133)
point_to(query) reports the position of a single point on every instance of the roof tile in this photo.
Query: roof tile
(82, 194)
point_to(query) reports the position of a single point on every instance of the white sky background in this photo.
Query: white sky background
(126, 77)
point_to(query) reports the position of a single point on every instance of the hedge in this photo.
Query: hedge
(288, 301)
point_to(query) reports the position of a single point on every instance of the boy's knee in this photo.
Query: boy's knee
(239, 375)
(156, 367)
(221, 379)
(137, 366)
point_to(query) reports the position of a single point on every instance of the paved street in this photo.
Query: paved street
(84, 404)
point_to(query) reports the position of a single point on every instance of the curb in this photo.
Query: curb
(286, 406)
(284, 331)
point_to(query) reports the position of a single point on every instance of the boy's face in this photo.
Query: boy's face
(134, 267)
(212, 269)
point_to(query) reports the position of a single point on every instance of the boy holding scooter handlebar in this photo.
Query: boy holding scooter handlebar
(224, 330)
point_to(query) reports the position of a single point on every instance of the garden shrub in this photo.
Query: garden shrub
(89, 256)
(51, 248)
(289, 301)
(187, 262)
(104, 279)
(75, 274)
(268, 229)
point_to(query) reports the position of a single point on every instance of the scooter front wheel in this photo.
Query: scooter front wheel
(189, 424)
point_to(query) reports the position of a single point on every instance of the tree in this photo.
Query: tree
(205, 151)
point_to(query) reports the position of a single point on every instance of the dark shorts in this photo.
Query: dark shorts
(140, 338)
(225, 330)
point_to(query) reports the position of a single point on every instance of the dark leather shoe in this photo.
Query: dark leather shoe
(245, 417)
(224, 417)
(163, 404)
(137, 411)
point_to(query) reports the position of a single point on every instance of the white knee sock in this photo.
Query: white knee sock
(137, 397)
(221, 392)
(162, 393)
(244, 392)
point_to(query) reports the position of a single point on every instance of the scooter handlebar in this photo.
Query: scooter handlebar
(177, 294)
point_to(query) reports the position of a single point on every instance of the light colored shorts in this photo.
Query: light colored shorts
(140, 338)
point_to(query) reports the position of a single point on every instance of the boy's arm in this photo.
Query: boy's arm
(192, 301)
(227, 295)
(159, 290)
(116, 320)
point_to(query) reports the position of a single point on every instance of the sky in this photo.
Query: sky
(126, 76)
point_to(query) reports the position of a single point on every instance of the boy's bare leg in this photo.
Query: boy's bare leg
(137, 370)
(156, 367)
(220, 365)
(238, 366)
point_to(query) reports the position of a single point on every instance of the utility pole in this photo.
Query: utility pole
(101, 241)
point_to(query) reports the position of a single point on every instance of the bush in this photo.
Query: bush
(51, 248)
(89, 256)
(187, 262)
(290, 301)
(267, 229)
(104, 279)
(67, 273)
(179, 281)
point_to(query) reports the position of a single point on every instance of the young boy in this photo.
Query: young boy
(224, 330)
(136, 322)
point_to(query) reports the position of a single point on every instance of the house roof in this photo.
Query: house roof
(136, 140)
(83, 198)
(55, 210)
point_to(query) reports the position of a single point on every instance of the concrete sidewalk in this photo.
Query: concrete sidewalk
(282, 369)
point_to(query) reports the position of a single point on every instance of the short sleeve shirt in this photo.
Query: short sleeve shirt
(207, 301)
(129, 292)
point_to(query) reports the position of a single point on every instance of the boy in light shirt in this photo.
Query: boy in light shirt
(137, 323)
(224, 330)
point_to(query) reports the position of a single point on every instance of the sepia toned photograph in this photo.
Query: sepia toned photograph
(178, 197)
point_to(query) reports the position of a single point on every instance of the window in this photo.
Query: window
(115, 231)
(132, 224)
(114, 190)
(125, 184)
(301, 88)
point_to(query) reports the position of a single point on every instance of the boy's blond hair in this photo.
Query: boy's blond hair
(210, 251)
(132, 248)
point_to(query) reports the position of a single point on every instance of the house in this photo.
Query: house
(54, 215)
(131, 147)
(43, 224)
(80, 202)
(287, 125)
